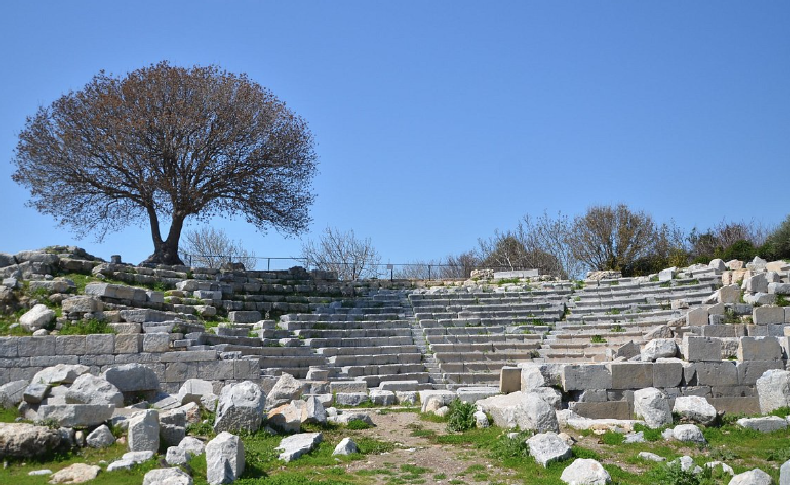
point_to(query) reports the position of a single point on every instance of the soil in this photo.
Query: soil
(445, 463)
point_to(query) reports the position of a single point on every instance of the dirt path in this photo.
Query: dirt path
(417, 455)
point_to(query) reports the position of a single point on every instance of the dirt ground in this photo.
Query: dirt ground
(445, 463)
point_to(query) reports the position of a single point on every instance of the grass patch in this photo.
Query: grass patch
(86, 327)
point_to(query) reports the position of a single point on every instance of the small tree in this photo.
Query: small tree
(342, 253)
(211, 248)
(778, 242)
(167, 142)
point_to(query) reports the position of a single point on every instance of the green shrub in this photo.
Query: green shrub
(461, 416)
(673, 475)
(778, 243)
(357, 424)
(597, 339)
(612, 438)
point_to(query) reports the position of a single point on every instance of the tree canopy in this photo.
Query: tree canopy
(167, 142)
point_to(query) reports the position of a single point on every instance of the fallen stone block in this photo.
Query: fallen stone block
(652, 405)
(548, 447)
(23, 440)
(297, 445)
(240, 407)
(75, 415)
(585, 471)
(224, 459)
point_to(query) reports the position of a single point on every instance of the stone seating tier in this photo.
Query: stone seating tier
(354, 342)
(353, 333)
(486, 347)
(466, 339)
(344, 325)
(360, 350)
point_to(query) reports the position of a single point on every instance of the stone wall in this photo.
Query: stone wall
(22, 357)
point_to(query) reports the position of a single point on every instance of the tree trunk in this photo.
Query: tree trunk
(165, 252)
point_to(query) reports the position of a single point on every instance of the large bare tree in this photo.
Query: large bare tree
(164, 144)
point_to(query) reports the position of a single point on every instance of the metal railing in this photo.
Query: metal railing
(423, 271)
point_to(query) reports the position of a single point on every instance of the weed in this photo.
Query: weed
(597, 339)
(86, 327)
(357, 424)
(461, 416)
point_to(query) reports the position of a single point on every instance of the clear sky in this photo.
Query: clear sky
(438, 122)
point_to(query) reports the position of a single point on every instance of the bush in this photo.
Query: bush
(779, 241)
(673, 475)
(357, 424)
(461, 416)
(742, 250)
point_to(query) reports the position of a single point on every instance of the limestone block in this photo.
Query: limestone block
(351, 398)
(759, 349)
(701, 349)
(240, 407)
(773, 390)
(75, 473)
(756, 284)
(59, 374)
(688, 433)
(383, 398)
(297, 445)
(695, 409)
(244, 316)
(224, 459)
(36, 318)
(143, 431)
(509, 379)
(548, 447)
(75, 415)
(407, 398)
(585, 471)
(523, 409)
(97, 344)
(779, 288)
(711, 374)
(314, 411)
(667, 374)
(718, 265)
(697, 317)
(652, 406)
(667, 274)
(166, 476)
(100, 437)
(90, 389)
(192, 446)
(767, 424)
(749, 372)
(156, 342)
(348, 386)
(11, 393)
(345, 447)
(23, 440)
(586, 376)
(399, 385)
(631, 375)
(753, 477)
(659, 347)
(71, 344)
(9, 346)
(132, 377)
(128, 343)
(82, 304)
(768, 315)
(172, 426)
(284, 391)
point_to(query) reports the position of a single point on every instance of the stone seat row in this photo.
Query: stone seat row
(481, 339)
(343, 325)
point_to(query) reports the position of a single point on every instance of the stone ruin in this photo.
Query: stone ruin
(598, 349)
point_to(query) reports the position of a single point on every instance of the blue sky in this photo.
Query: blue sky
(438, 122)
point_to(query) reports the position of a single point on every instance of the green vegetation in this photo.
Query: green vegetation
(597, 339)
(85, 327)
(461, 416)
